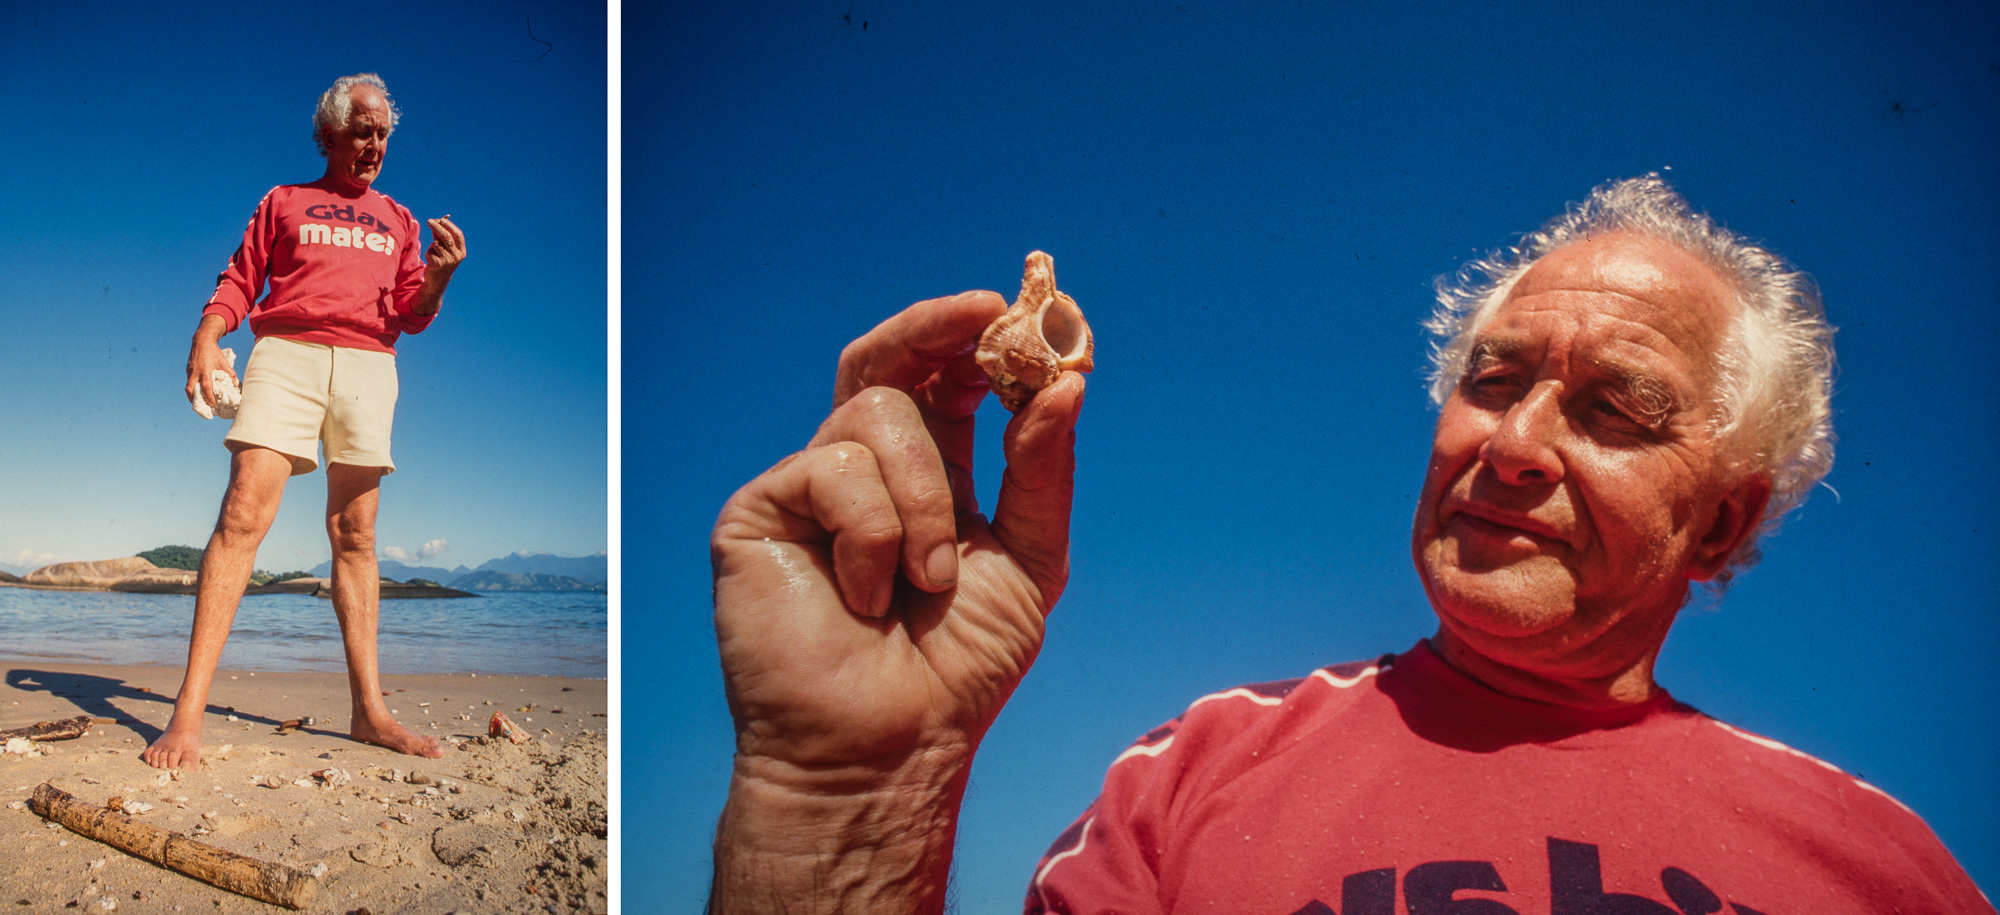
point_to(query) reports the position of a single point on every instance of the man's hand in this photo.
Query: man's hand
(446, 252)
(204, 357)
(872, 623)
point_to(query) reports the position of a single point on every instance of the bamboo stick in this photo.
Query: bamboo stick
(264, 881)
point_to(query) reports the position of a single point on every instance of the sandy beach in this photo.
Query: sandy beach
(491, 827)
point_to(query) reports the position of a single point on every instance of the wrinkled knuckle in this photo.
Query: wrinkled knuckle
(880, 400)
(880, 532)
(849, 457)
(930, 501)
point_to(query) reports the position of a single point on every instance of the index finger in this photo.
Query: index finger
(909, 348)
(442, 225)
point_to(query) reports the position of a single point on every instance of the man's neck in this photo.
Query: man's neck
(1628, 684)
(344, 185)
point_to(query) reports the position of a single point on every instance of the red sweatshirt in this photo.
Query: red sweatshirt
(1333, 794)
(343, 270)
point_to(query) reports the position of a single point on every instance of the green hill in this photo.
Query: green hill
(174, 557)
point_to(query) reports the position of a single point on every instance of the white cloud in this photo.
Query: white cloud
(31, 558)
(429, 549)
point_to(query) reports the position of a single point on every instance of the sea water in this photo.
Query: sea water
(536, 633)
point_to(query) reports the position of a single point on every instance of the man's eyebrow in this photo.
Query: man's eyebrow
(1489, 350)
(1652, 398)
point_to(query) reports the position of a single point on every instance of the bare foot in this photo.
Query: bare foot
(178, 748)
(385, 732)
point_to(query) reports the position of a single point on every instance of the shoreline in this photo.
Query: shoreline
(521, 633)
(491, 827)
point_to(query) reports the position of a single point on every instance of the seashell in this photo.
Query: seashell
(1042, 335)
(500, 726)
(333, 778)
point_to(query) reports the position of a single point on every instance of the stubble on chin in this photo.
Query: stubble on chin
(1520, 598)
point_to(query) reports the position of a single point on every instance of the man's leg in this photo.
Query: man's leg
(351, 498)
(256, 485)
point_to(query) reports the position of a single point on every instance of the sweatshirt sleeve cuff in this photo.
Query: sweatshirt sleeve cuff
(414, 323)
(231, 318)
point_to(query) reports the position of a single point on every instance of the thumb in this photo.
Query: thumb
(1032, 517)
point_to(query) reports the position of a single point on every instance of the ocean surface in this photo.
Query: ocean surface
(536, 633)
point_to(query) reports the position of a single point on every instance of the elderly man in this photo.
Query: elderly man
(345, 281)
(1626, 400)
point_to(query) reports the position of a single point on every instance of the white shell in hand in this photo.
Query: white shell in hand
(1041, 336)
(227, 396)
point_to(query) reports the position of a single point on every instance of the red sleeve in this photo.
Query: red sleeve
(1115, 858)
(410, 278)
(237, 288)
(1108, 860)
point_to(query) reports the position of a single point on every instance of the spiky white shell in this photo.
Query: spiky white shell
(1041, 335)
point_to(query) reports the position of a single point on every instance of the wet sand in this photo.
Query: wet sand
(491, 827)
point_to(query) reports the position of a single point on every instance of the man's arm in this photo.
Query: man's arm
(447, 250)
(205, 356)
(871, 623)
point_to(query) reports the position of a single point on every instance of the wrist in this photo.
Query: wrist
(839, 839)
(210, 330)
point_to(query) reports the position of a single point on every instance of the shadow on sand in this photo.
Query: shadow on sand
(93, 695)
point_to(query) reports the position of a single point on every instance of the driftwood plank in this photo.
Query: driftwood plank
(261, 880)
(66, 729)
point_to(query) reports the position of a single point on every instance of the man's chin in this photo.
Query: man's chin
(1521, 600)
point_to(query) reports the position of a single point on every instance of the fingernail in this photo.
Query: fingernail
(942, 565)
(884, 590)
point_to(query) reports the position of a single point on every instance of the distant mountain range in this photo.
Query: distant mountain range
(495, 580)
(513, 572)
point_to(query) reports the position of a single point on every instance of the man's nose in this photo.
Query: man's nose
(1523, 449)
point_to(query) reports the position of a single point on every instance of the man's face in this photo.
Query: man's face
(1574, 486)
(354, 152)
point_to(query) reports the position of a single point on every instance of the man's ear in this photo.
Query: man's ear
(1737, 517)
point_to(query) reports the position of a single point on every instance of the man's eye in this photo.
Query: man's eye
(1611, 415)
(1491, 387)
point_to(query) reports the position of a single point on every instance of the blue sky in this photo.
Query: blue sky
(1250, 201)
(144, 135)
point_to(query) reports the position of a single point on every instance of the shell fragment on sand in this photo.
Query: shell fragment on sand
(499, 726)
(1041, 335)
(333, 778)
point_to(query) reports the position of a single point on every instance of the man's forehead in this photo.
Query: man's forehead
(1637, 266)
(366, 100)
(1649, 288)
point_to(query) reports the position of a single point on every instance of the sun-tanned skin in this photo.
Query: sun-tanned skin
(1576, 485)
(1575, 489)
(257, 483)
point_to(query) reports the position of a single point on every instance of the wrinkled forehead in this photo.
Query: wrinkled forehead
(1636, 281)
(367, 106)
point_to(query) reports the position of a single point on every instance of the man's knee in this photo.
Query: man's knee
(243, 520)
(256, 484)
(351, 532)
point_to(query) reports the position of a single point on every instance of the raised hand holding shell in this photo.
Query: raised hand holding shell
(1041, 335)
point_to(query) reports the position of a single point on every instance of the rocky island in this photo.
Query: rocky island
(134, 574)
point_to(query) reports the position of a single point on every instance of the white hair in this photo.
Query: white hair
(1776, 361)
(336, 105)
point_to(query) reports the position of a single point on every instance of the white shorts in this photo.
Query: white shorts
(296, 395)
